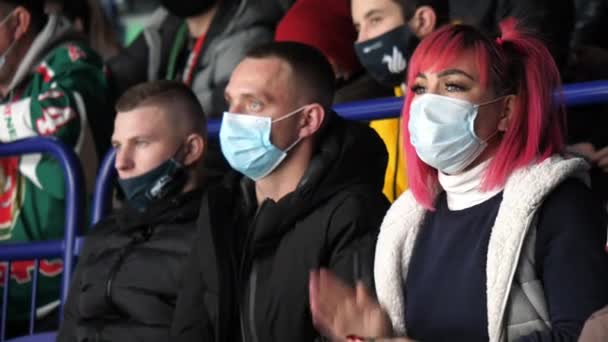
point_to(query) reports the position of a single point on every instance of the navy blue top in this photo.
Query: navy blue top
(446, 284)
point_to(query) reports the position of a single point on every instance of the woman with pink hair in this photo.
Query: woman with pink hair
(498, 237)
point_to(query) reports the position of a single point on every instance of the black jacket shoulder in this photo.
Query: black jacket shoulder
(126, 280)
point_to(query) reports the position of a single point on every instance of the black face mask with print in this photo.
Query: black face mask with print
(386, 57)
(187, 8)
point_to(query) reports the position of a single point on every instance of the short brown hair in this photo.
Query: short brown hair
(175, 98)
(311, 69)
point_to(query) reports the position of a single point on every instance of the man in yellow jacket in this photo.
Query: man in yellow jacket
(388, 33)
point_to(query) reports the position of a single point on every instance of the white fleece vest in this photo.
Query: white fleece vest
(515, 298)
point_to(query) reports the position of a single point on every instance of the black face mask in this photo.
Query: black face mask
(187, 8)
(165, 180)
(386, 57)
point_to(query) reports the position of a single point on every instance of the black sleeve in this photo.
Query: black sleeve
(130, 66)
(205, 308)
(550, 20)
(191, 320)
(571, 260)
(352, 238)
(591, 23)
(218, 101)
(71, 315)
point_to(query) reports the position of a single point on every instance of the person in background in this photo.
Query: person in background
(589, 62)
(198, 42)
(88, 17)
(328, 27)
(388, 33)
(126, 280)
(51, 85)
(499, 237)
(552, 21)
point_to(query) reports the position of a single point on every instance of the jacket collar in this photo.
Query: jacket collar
(337, 164)
(175, 209)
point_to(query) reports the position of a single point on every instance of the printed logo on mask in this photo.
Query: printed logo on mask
(165, 180)
(372, 47)
(385, 57)
(395, 62)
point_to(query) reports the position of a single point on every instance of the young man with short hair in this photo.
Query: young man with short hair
(309, 194)
(126, 281)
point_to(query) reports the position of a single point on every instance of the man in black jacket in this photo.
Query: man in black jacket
(311, 196)
(126, 281)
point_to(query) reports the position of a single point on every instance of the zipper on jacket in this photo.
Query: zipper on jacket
(253, 278)
(247, 298)
(247, 312)
(124, 252)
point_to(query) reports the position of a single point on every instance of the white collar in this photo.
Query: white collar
(463, 190)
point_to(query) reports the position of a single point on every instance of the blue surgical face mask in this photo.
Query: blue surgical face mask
(442, 131)
(246, 145)
(164, 180)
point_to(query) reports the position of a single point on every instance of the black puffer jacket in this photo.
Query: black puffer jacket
(126, 281)
(551, 20)
(249, 268)
(591, 23)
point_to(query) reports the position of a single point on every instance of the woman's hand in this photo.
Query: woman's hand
(338, 310)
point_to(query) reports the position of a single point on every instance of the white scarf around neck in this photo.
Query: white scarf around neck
(463, 190)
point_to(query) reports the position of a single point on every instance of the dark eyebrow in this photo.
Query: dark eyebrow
(371, 13)
(263, 95)
(450, 72)
(421, 75)
(267, 96)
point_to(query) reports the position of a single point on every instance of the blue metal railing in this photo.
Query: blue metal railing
(74, 218)
(577, 94)
(102, 198)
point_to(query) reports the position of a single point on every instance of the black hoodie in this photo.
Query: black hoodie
(248, 272)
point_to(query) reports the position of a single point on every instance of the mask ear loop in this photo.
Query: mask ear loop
(290, 147)
(3, 21)
(496, 132)
(177, 153)
(288, 115)
(492, 101)
(11, 46)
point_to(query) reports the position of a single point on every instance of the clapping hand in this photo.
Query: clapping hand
(339, 310)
